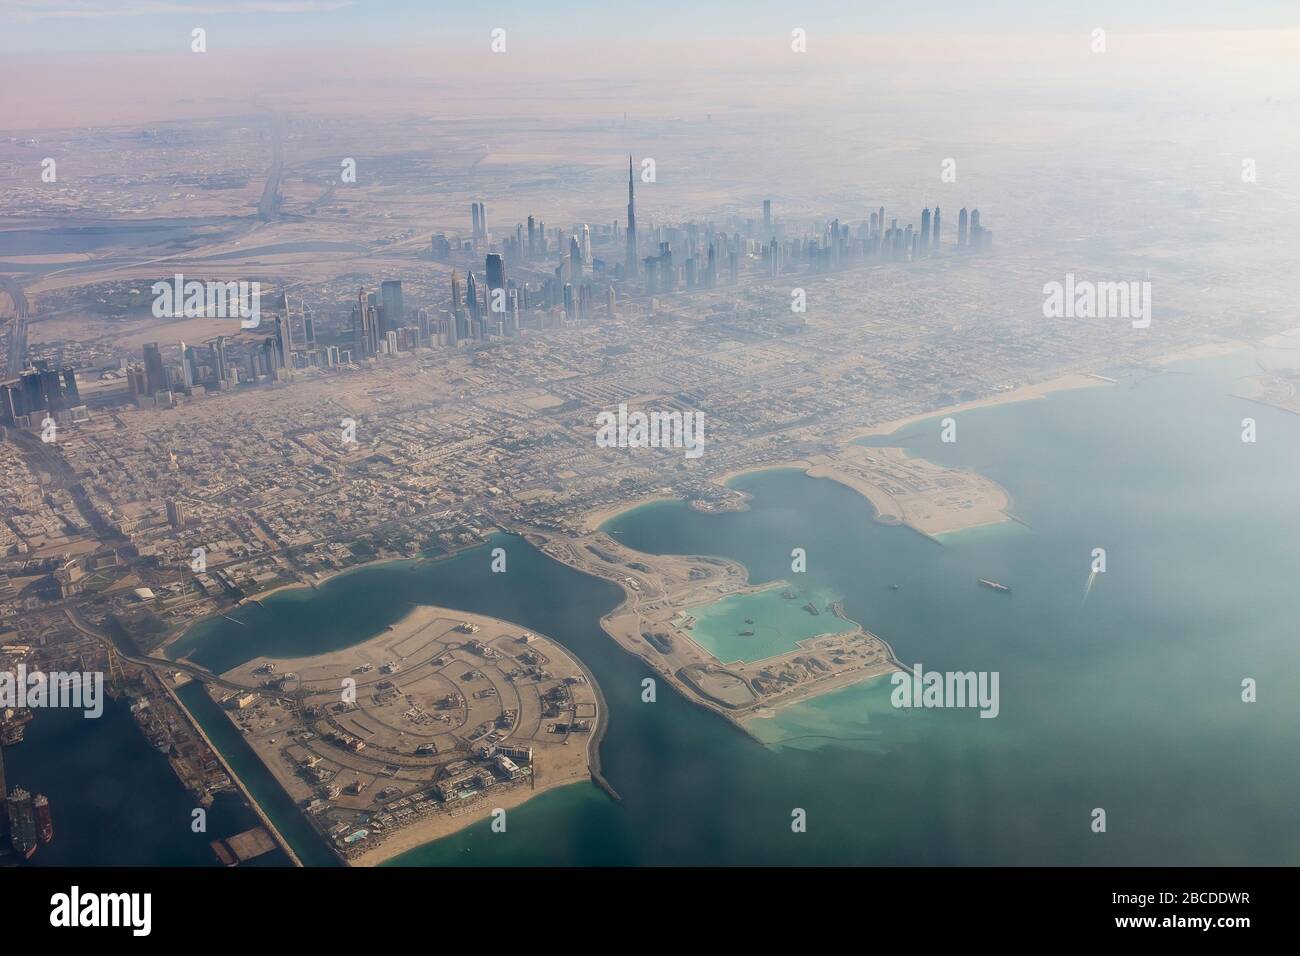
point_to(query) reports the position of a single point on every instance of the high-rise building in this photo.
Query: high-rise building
(496, 272)
(187, 376)
(137, 381)
(154, 370)
(70, 390)
(308, 325)
(220, 363)
(472, 301)
(575, 260)
(935, 229)
(390, 291)
(961, 227)
(175, 513)
(365, 331)
(629, 262)
(767, 218)
(925, 229)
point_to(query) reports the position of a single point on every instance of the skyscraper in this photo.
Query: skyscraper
(575, 260)
(472, 305)
(70, 387)
(925, 230)
(935, 228)
(308, 325)
(155, 372)
(629, 262)
(283, 341)
(220, 363)
(365, 334)
(961, 227)
(496, 271)
(390, 292)
(767, 218)
(496, 279)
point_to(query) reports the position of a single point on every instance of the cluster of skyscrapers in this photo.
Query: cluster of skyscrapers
(491, 304)
(40, 392)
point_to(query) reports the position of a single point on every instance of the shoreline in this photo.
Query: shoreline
(315, 585)
(281, 841)
(594, 521)
(556, 764)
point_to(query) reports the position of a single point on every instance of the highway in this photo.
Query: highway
(17, 351)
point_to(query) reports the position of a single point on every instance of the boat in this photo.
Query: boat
(22, 822)
(224, 853)
(893, 587)
(746, 633)
(811, 608)
(44, 823)
(13, 725)
(749, 620)
(995, 586)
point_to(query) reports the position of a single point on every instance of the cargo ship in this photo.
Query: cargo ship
(13, 725)
(993, 585)
(22, 822)
(44, 823)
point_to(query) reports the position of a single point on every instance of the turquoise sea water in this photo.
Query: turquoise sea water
(1129, 700)
(778, 623)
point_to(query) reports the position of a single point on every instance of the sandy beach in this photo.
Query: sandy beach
(1024, 393)
(428, 691)
(927, 497)
(595, 519)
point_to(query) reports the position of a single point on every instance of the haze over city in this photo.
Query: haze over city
(738, 434)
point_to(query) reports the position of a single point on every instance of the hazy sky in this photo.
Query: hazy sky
(130, 25)
(71, 63)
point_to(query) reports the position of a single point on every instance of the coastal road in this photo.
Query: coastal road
(17, 330)
(194, 670)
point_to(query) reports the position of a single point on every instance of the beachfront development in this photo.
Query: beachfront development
(657, 622)
(425, 728)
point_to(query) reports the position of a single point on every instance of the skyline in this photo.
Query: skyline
(694, 435)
